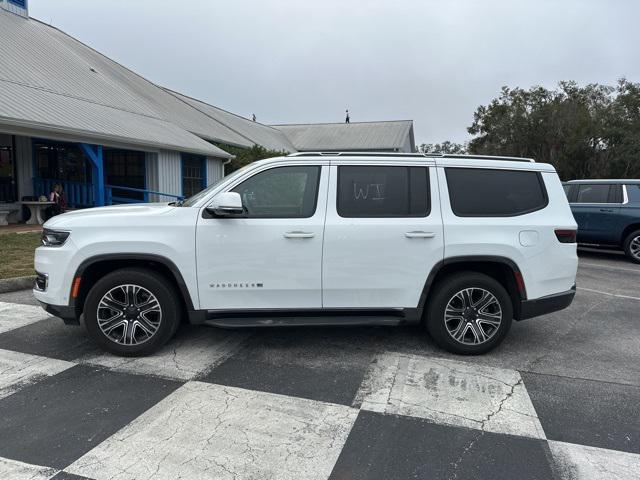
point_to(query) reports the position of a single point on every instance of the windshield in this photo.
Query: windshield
(191, 201)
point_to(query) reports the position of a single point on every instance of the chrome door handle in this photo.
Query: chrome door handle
(419, 234)
(297, 234)
(606, 210)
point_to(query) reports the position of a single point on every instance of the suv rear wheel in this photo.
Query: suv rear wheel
(469, 313)
(632, 246)
(132, 312)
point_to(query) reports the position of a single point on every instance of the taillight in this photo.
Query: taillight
(566, 236)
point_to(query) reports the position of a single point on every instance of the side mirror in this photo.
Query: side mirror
(226, 204)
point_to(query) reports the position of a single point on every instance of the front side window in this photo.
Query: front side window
(478, 192)
(281, 192)
(371, 191)
(596, 193)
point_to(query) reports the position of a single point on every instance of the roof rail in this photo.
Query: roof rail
(413, 155)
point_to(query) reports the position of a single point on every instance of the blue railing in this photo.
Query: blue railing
(80, 194)
(77, 194)
(112, 198)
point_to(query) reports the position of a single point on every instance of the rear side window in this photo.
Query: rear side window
(370, 191)
(597, 193)
(633, 192)
(479, 192)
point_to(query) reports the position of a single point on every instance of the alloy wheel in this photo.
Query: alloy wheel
(473, 316)
(129, 314)
(634, 247)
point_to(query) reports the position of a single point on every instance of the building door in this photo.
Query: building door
(8, 192)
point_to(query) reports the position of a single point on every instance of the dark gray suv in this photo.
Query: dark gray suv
(607, 213)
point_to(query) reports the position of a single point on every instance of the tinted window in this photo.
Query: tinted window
(283, 192)
(383, 191)
(593, 194)
(476, 192)
(633, 192)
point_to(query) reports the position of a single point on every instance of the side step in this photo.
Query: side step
(304, 319)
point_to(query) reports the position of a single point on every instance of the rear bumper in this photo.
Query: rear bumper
(550, 303)
(65, 312)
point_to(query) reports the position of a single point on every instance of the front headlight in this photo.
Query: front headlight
(54, 238)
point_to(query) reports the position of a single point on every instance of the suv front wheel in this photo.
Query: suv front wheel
(469, 313)
(132, 312)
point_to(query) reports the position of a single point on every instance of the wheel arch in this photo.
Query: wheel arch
(94, 268)
(628, 230)
(502, 269)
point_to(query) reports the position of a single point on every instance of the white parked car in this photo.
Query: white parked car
(461, 244)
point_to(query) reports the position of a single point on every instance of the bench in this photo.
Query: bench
(3, 217)
(6, 209)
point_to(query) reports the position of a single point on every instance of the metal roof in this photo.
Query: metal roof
(27, 107)
(252, 132)
(38, 61)
(390, 135)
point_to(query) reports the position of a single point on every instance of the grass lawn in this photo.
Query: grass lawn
(16, 253)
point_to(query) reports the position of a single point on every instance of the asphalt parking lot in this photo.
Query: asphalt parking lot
(559, 399)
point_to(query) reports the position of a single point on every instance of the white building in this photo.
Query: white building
(70, 115)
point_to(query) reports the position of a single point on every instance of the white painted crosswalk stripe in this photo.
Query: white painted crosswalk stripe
(451, 392)
(14, 316)
(14, 470)
(20, 369)
(209, 431)
(580, 462)
(193, 353)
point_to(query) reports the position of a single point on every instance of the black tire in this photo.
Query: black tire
(445, 291)
(166, 321)
(630, 246)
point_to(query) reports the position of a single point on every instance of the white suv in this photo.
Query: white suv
(461, 244)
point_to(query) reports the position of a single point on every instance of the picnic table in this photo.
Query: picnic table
(36, 208)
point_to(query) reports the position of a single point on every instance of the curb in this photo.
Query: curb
(18, 283)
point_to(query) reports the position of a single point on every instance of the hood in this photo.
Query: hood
(101, 215)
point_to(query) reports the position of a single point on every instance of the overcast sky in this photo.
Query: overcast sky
(298, 61)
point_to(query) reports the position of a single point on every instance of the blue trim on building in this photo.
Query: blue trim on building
(19, 3)
(94, 153)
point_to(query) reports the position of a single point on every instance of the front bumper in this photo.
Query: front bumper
(550, 303)
(66, 313)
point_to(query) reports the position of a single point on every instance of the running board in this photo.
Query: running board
(305, 319)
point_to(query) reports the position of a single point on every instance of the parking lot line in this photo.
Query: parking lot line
(609, 267)
(608, 293)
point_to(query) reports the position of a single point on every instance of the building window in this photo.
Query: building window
(61, 161)
(194, 176)
(125, 168)
(19, 3)
(7, 175)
